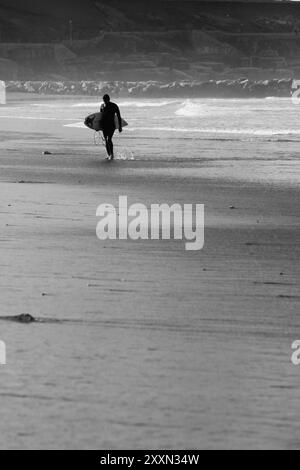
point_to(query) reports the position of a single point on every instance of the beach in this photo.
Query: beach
(141, 344)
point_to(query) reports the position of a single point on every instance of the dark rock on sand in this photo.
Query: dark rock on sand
(23, 318)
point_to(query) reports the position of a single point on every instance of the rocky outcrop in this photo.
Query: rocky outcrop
(242, 88)
(23, 318)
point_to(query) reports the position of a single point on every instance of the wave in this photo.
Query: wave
(76, 125)
(193, 109)
(219, 132)
(123, 104)
(277, 98)
(46, 105)
(254, 132)
(35, 118)
(190, 109)
(148, 104)
(86, 105)
(212, 109)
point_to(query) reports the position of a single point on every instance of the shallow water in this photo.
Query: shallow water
(254, 140)
(145, 345)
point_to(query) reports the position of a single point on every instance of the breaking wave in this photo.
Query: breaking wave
(137, 104)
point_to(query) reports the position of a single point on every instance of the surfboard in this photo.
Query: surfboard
(93, 121)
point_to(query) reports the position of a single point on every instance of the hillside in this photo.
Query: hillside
(138, 39)
(34, 21)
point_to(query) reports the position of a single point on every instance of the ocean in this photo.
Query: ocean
(255, 139)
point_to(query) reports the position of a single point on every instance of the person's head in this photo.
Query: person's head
(106, 99)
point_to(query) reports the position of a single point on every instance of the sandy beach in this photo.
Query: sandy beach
(142, 344)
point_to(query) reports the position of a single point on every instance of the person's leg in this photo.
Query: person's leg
(106, 137)
(110, 144)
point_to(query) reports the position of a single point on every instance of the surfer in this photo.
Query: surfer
(109, 110)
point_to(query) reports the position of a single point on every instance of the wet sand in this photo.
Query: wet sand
(144, 345)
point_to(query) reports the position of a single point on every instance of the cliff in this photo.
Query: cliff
(160, 40)
(33, 21)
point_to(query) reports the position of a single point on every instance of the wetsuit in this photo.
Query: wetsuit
(109, 111)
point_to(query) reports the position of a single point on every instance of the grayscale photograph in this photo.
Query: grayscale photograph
(150, 221)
